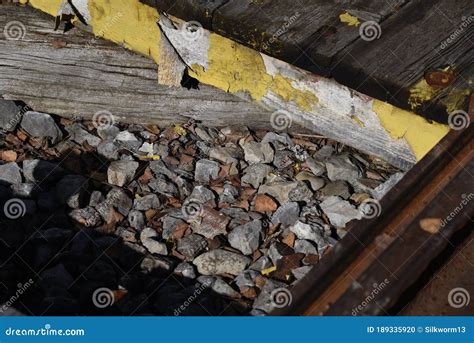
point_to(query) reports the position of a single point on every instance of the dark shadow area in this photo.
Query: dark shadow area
(52, 265)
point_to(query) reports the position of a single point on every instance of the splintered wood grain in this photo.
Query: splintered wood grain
(74, 74)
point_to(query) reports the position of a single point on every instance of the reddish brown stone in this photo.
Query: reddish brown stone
(263, 203)
(249, 292)
(311, 259)
(9, 156)
(289, 239)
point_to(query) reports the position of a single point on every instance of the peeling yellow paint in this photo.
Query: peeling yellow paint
(349, 19)
(455, 99)
(236, 68)
(268, 270)
(125, 22)
(420, 93)
(420, 134)
(130, 23)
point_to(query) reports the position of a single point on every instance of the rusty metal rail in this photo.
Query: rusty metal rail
(379, 259)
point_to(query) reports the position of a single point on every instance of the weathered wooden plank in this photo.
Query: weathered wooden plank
(311, 34)
(293, 95)
(75, 74)
(422, 38)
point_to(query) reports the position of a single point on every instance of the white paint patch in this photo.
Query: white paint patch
(83, 7)
(192, 47)
(274, 67)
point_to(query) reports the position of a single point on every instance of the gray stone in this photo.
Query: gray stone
(136, 219)
(10, 174)
(228, 154)
(305, 247)
(221, 261)
(79, 135)
(201, 132)
(279, 141)
(71, 190)
(202, 195)
(121, 172)
(39, 171)
(247, 237)
(311, 233)
(163, 186)
(336, 188)
(246, 279)
(209, 223)
(192, 245)
(285, 191)
(258, 152)
(262, 263)
(148, 238)
(341, 168)
(86, 216)
(265, 300)
(96, 198)
(147, 148)
(41, 125)
(316, 167)
(128, 140)
(160, 168)
(108, 132)
(382, 189)
(221, 287)
(108, 150)
(119, 199)
(126, 233)
(277, 250)
(24, 190)
(324, 153)
(283, 159)
(287, 214)
(152, 262)
(170, 222)
(339, 211)
(314, 181)
(10, 115)
(229, 194)
(301, 272)
(206, 170)
(147, 202)
(186, 270)
(255, 174)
